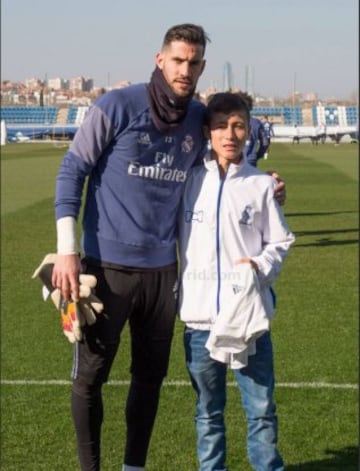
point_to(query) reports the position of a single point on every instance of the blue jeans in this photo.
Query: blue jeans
(256, 384)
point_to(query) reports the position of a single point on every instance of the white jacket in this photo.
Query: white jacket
(221, 221)
(241, 320)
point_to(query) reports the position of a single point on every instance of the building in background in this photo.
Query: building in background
(227, 77)
(249, 79)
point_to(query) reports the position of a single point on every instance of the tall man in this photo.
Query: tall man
(136, 146)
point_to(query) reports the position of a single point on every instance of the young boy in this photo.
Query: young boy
(233, 240)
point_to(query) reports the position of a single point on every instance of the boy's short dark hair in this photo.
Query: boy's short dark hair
(187, 32)
(226, 102)
(248, 99)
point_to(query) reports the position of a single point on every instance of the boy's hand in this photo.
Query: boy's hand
(280, 187)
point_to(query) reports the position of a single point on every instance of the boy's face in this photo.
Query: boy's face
(228, 134)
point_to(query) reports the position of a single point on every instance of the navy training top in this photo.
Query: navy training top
(136, 177)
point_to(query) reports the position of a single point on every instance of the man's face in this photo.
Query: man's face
(228, 134)
(182, 64)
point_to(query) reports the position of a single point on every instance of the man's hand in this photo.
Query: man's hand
(74, 313)
(280, 187)
(65, 276)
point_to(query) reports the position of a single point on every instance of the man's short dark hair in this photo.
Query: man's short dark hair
(187, 32)
(226, 102)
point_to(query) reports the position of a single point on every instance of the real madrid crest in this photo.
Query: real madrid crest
(187, 144)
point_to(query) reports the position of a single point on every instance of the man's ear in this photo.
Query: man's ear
(159, 60)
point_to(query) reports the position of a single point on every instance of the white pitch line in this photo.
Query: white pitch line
(60, 382)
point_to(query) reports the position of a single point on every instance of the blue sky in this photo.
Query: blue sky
(313, 43)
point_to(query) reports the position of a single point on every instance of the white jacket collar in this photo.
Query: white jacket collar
(234, 169)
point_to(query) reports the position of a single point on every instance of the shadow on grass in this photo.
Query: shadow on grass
(327, 242)
(319, 213)
(346, 459)
(326, 232)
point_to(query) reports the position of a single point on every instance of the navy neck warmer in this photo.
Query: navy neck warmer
(167, 110)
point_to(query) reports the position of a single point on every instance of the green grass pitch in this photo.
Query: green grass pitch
(315, 332)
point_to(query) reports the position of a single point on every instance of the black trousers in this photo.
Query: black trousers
(148, 301)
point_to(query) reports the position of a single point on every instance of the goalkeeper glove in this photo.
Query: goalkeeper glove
(74, 314)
